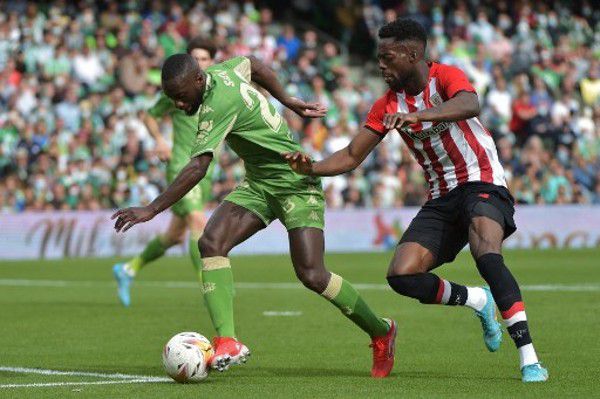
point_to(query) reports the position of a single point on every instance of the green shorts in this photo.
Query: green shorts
(196, 198)
(299, 203)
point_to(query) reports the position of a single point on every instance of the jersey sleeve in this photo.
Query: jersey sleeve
(164, 105)
(241, 67)
(375, 116)
(453, 80)
(213, 128)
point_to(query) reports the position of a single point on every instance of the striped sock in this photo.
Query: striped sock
(449, 293)
(516, 324)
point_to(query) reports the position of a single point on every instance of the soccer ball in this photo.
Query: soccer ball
(185, 357)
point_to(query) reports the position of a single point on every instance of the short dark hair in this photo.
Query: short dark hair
(203, 43)
(404, 29)
(177, 66)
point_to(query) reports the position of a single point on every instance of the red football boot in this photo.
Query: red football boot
(383, 352)
(228, 351)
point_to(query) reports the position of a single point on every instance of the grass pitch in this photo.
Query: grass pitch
(64, 316)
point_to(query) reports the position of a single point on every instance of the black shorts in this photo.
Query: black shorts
(442, 224)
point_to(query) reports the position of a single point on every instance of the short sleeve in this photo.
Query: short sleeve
(241, 66)
(213, 128)
(452, 80)
(163, 106)
(375, 116)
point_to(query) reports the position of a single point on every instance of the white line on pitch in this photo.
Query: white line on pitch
(26, 370)
(275, 313)
(256, 285)
(60, 384)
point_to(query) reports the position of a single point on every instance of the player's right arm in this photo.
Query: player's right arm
(354, 154)
(187, 178)
(340, 162)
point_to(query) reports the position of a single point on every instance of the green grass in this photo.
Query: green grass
(440, 353)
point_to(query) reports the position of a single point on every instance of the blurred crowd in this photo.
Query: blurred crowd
(77, 77)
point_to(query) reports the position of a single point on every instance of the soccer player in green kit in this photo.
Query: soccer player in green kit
(232, 109)
(187, 212)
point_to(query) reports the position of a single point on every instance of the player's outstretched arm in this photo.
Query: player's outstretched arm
(264, 76)
(189, 176)
(342, 161)
(162, 148)
(463, 105)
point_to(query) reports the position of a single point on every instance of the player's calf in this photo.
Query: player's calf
(430, 289)
(507, 295)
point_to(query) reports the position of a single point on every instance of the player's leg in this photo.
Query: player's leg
(485, 240)
(228, 226)
(125, 272)
(307, 246)
(233, 222)
(195, 221)
(429, 242)
(191, 207)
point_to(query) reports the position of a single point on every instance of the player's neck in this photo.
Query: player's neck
(419, 81)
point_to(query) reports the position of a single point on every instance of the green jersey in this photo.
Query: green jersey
(233, 110)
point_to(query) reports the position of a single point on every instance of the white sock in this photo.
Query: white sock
(127, 268)
(476, 298)
(527, 355)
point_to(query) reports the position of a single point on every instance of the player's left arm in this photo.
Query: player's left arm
(462, 106)
(462, 102)
(264, 76)
(187, 178)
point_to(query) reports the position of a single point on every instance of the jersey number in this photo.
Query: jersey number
(273, 120)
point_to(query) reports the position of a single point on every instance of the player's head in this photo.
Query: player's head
(401, 48)
(203, 50)
(183, 81)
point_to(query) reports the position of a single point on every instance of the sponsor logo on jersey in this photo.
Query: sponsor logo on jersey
(423, 134)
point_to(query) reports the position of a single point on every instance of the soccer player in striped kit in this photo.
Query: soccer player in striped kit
(434, 108)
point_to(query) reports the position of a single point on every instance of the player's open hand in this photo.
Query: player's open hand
(163, 152)
(299, 162)
(129, 217)
(306, 110)
(399, 120)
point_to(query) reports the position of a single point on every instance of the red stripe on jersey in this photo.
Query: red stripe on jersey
(460, 166)
(485, 167)
(440, 292)
(435, 162)
(514, 309)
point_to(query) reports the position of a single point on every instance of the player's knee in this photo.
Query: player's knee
(209, 246)
(313, 279)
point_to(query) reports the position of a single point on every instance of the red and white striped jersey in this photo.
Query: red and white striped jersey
(451, 153)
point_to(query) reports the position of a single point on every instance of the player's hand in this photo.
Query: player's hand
(306, 110)
(399, 120)
(163, 151)
(299, 162)
(129, 217)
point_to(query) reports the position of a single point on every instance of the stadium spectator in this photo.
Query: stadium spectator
(74, 79)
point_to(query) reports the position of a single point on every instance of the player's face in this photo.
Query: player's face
(202, 57)
(395, 63)
(187, 95)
